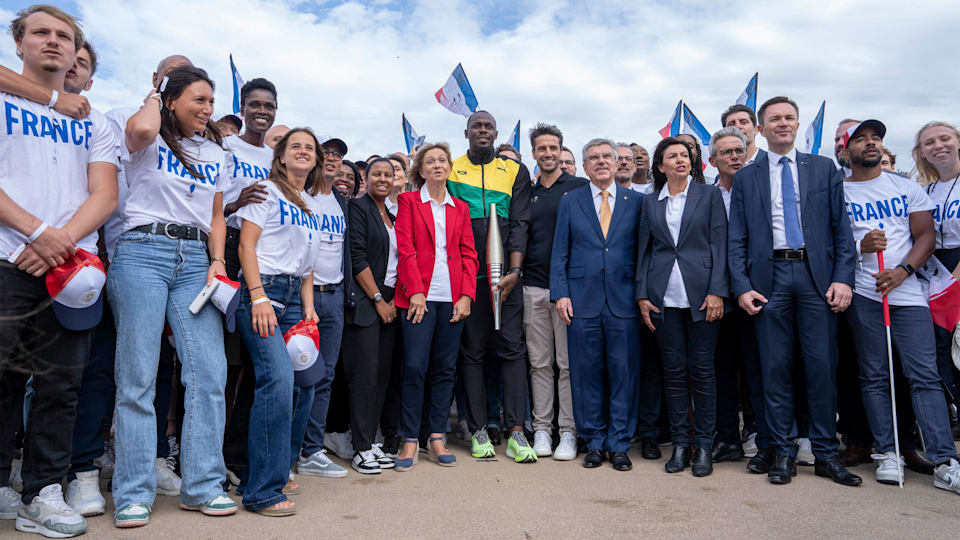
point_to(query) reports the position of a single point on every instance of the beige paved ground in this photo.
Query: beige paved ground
(552, 499)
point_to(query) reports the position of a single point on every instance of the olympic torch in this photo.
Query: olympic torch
(494, 263)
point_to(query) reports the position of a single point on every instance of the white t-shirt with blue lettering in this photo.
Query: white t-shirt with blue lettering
(288, 234)
(161, 189)
(328, 268)
(946, 214)
(250, 164)
(113, 228)
(886, 202)
(43, 163)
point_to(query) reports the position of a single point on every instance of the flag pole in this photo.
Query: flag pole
(893, 394)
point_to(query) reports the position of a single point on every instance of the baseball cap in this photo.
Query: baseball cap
(75, 287)
(227, 297)
(232, 118)
(340, 145)
(875, 124)
(303, 346)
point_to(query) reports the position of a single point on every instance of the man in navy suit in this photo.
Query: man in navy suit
(791, 257)
(592, 272)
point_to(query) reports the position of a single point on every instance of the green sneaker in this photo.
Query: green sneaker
(481, 447)
(519, 449)
(132, 515)
(221, 505)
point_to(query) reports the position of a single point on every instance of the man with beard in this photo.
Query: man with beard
(545, 332)
(479, 178)
(626, 165)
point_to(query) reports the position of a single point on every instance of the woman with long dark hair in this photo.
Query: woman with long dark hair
(173, 246)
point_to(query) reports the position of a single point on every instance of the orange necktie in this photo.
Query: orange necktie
(605, 213)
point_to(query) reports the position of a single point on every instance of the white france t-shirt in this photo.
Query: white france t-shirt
(946, 214)
(250, 164)
(113, 228)
(887, 200)
(43, 163)
(328, 268)
(161, 189)
(288, 234)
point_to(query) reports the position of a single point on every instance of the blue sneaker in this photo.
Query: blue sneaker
(318, 464)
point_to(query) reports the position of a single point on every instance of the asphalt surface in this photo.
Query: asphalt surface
(552, 499)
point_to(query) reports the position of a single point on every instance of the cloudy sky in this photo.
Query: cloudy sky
(594, 68)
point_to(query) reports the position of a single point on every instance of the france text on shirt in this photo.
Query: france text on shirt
(324, 223)
(66, 130)
(166, 158)
(882, 209)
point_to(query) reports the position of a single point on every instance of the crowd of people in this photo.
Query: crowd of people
(736, 317)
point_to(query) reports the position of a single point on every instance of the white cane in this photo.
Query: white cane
(893, 393)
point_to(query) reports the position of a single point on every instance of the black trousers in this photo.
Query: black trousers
(511, 350)
(649, 386)
(390, 416)
(687, 350)
(32, 342)
(235, 435)
(737, 354)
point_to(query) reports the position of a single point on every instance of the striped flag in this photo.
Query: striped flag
(672, 129)
(237, 85)
(749, 95)
(944, 293)
(457, 95)
(692, 126)
(410, 136)
(515, 138)
(814, 134)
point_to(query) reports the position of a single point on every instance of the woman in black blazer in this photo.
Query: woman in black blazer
(682, 282)
(370, 328)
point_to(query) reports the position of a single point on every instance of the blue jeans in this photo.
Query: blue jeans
(271, 414)
(329, 306)
(911, 329)
(155, 278)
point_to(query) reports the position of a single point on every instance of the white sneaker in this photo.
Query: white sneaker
(16, 475)
(83, 494)
(318, 464)
(805, 452)
(365, 463)
(50, 516)
(168, 483)
(947, 476)
(385, 461)
(542, 443)
(889, 468)
(341, 444)
(750, 445)
(9, 503)
(567, 449)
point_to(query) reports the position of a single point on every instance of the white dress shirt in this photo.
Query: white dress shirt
(676, 294)
(776, 196)
(598, 197)
(440, 288)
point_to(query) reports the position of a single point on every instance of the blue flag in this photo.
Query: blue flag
(672, 129)
(515, 138)
(457, 94)
(692, 126)
(814, 133)
(410, 136)
(237, 85)
(749, 95)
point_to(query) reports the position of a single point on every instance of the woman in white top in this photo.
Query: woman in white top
(173, 247)
(936, 151)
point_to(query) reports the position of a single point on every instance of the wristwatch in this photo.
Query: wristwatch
(377, 297)
(516, 270)
(906, 266)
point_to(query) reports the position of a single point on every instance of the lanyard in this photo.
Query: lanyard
(945, 201)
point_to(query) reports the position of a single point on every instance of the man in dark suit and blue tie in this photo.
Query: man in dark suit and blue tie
(592, 271)
(791, 255)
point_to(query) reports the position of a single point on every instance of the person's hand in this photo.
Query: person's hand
(418, 306)
(386, 311)
(254, 193)
(839, 296)
(54, 246)
(747, 300)
(310, 314)
(264, 319)
(646, 307)
(507, 283)
(217, 268)
(461, 310)
(31, 263)
(890, 279)
(714, 306)
(73, 105)
(873, 241)
(565, 309)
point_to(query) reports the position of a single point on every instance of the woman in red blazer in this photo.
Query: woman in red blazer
(436, 283)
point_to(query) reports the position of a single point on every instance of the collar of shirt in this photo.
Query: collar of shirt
(563, 178)
(665, 191)
(425, 196)
(775, 157)
(595, 191)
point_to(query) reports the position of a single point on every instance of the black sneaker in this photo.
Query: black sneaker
(365, 462)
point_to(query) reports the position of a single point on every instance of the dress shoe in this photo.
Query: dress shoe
(727, 452)
(649, 449)
(783, 470)
(854, 455)
(702, 462)
(679, 460)
(620, 461)
(833, 469)
(918, 462)
(762, 461)
(594, 458)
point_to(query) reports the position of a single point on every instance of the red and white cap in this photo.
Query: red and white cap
(227, 298)
(76, 287)
(303, 346)
(875, 124)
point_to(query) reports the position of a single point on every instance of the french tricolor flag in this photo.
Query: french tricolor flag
(457, 95)
(944, 293)
(672, 129)
(237, 85)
